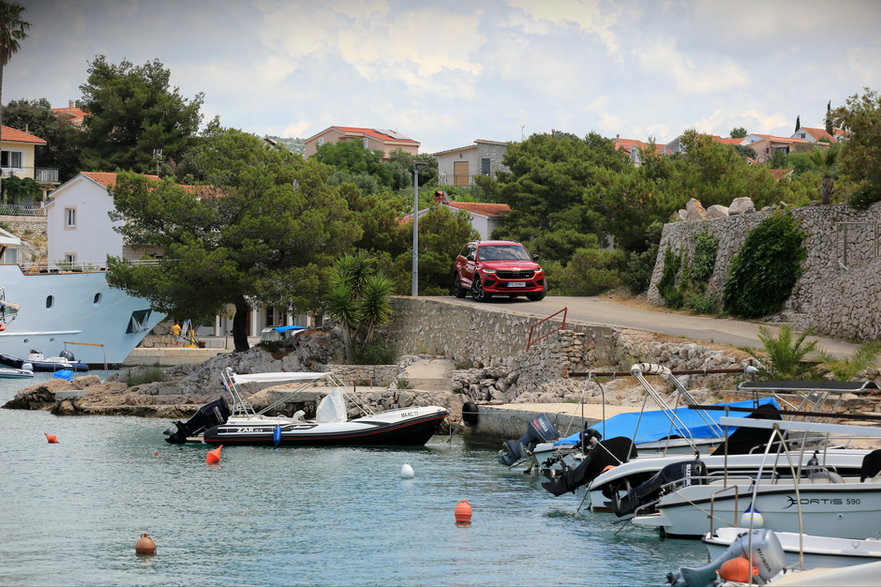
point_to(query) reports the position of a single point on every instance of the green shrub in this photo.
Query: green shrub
(667, 285)
(375, 352)
(637, 269)
(766, 268)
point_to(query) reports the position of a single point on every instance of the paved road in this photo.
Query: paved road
(594, 310)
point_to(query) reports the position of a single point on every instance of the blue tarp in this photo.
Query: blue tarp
(655, 425)
(281, 329)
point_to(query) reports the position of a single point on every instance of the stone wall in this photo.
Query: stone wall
(373, 375)
(489, 349)
(838, 294)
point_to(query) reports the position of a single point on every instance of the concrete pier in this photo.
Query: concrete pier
(510, 421)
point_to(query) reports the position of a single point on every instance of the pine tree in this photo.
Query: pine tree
(797, 123)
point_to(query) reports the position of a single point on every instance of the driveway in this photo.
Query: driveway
(599, 311)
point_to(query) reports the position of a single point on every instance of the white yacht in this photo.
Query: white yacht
(52, 311)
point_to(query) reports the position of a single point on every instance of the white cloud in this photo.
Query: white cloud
(864, 62)
(588, 15)
(693, 75)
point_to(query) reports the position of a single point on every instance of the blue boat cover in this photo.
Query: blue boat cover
(280, 329)
(656, 425)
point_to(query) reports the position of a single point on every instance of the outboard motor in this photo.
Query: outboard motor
(687, 473)
(766, 557)
(540, 430)
(66, 354)
(211, 414)
(608, 452)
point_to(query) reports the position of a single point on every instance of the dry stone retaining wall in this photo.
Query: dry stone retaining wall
(838, 294)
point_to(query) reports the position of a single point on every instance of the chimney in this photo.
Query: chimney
(71, 104)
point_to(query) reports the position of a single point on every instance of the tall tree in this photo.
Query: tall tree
(860, 156)
(738, 133)
(13, 30)
(797, 123)
(826, 162)
(134, 113)
(263, 235)
(829, 127)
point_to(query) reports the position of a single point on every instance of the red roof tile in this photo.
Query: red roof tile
(108, 180)
(376, 134)
(13, 135)
(780, 173)
(74, 114)
(483, 208)
(819, 133)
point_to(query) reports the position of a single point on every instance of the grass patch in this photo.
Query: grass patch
(151, 375)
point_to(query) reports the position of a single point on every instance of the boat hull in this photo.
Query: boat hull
(394, 428)
(838, 510)
(79, 308)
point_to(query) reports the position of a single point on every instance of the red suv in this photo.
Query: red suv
(490, 268)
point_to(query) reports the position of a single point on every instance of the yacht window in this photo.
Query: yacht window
(97, 299)
(49, 301)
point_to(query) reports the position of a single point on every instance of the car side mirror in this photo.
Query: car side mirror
(470, 256)
(535, 256)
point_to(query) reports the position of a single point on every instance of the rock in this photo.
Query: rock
(717, 211)
(695, 210)
(682, 215)
(742, 205)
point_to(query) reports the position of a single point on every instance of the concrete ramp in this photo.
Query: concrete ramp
(430, 375)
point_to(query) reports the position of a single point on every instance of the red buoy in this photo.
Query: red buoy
(463, 513)
(145, 545)
(737, 570)
(51, 438)
(213, 456)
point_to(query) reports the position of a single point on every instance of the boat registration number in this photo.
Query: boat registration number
(517, 284)
(409, 414)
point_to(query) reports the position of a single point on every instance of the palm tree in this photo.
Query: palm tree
(13, 30)
(825, 161)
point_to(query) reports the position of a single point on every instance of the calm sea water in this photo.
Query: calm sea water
(72, 512)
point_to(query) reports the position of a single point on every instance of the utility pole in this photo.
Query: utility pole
(414, 289)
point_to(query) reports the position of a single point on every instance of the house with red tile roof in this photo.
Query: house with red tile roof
(72, 114)
(17, 152)
(373, 139)
(766, 145)
(819, 135)
(459, 166)
(485, 216)
(634, 147)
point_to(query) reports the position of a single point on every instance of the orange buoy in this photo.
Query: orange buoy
(145, 545)
(156, 454)
(463, 513)
(51, 438)
(737, 570)
(213, 456)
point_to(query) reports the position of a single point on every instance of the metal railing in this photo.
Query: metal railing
(40, 175)
(21, 210)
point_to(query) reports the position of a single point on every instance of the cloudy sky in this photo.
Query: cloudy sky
(446, 72)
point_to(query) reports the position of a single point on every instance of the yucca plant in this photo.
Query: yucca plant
(846, 368)
(784, 356)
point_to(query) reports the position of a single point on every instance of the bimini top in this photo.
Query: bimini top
(277, 377)
(827, 386)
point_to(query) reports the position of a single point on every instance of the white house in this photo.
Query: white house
(9, 246)
(485, 217)
(459, 166)
(80, 233)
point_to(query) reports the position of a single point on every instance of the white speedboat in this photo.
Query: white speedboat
(74, 310)
(411, 426)
(16, 373)
(811, 500)
(804, 550)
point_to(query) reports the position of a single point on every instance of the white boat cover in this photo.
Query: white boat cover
(332, 408)
(865, 574)
(278, 377)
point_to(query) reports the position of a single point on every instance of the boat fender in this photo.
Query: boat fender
(407, 472)
(276, 435)
(470, 416)
(737, 570)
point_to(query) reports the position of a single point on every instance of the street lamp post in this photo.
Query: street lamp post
(414, 289)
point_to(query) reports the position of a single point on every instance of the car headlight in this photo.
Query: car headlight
(488, 270)
(539, 270)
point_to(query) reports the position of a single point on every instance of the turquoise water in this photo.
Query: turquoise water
(72, 512)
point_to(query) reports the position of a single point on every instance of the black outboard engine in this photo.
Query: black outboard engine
(211, 414)
(66, 354)
(540, 430)
(607, 452)
(686, 472)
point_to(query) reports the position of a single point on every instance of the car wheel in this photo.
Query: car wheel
(458, 290)
(537, 296)
(477, 291)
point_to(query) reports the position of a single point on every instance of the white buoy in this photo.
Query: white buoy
(407, 472)
(752, 519)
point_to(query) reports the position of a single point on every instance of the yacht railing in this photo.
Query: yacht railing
(77, 267)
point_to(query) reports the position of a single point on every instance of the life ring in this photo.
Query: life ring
(469, 414)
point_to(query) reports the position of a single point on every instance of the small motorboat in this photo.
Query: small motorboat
(16, 373)
(411, 426)
(64, 360)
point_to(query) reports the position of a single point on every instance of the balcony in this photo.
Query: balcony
(42, 175)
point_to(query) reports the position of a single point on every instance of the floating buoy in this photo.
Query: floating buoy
(463, 513)
(145, 545)
(737, 570)
(156, 454)
(407, 472)
(213, 456)
(752, 519)
(51, 438)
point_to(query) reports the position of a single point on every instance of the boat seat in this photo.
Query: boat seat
(830, 476)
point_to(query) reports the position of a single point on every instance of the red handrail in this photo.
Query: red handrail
(562, 325)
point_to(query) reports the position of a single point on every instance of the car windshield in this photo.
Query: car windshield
(503, 253)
